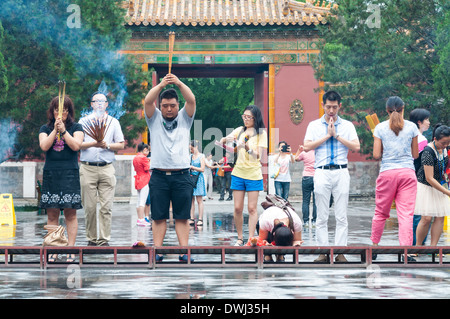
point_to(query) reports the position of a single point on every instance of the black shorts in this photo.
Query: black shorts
(177, 188)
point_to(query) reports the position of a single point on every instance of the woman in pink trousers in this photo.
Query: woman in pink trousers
(395, 142)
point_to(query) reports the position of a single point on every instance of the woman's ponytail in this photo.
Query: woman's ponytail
(394, 106)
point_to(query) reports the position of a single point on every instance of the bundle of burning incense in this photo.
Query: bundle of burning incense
(96, 128)
(373, 121)
(231, 149)
(246, 138)
(171, 44)
(61, 96)
(227, 148)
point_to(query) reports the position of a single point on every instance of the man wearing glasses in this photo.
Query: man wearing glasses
(331, 137)
(97, 174)
(170, 139)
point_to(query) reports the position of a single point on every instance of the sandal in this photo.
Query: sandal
(268, 259)
(239, 242)
(52, 258)
(191, 222)
(200, 222)
(280, 259)
(70, 258)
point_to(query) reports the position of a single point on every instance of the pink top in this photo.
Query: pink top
(308, 159)
(423, 142)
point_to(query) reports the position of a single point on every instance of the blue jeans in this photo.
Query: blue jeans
(282, 189)
(225, 184)
(416, 221)
(307, 190)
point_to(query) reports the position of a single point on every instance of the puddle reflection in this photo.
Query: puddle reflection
(218, 230)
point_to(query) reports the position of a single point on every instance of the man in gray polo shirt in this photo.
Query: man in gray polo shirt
(169, 136)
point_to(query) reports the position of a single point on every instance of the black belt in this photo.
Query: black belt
(333, 166)
(178, 172)
(96, 163)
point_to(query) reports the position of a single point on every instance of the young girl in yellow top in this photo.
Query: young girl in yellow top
(251, 141)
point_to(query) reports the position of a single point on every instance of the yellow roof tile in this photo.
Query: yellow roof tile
(226, 12)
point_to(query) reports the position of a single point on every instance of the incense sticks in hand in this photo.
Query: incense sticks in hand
(96, 128)
(373, 121)
(61, 97)
(171, 44)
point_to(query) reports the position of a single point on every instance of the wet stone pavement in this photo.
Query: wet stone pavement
(216, 283)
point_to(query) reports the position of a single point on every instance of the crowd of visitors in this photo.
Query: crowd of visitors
(176, 178)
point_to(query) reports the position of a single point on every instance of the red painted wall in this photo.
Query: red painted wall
(295, 82)
(298, 82)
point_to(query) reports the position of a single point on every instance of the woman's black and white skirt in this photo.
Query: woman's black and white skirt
(431, 202)
(61, 189)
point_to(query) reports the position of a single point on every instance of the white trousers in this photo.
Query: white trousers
(326, 183)
(209, 183)
(142, 195)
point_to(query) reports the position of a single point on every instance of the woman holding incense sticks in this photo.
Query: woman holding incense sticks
(251, 141)
(61, 140)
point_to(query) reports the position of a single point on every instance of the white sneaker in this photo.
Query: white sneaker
(143, 222)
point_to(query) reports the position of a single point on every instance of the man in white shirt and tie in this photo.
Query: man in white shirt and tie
(331, 137)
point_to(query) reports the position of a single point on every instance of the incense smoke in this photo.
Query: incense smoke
(52, 22)
(8, 133)
(116, 95)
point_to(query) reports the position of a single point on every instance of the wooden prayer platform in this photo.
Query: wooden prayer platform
(223, 256)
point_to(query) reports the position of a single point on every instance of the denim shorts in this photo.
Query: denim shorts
(248, 185)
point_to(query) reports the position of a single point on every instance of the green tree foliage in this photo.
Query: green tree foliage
(221, 101)
(376, 49)
(3, 77)
(220, 104)
(441, 72)
(45, 41)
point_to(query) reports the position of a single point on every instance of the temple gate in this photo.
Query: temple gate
(272, 41)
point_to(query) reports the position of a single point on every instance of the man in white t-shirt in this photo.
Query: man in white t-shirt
(170, 137)
(331, 137)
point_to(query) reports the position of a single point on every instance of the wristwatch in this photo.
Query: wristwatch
(108, 147)
(250, 151)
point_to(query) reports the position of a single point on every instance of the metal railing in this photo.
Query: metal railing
(225, 256)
